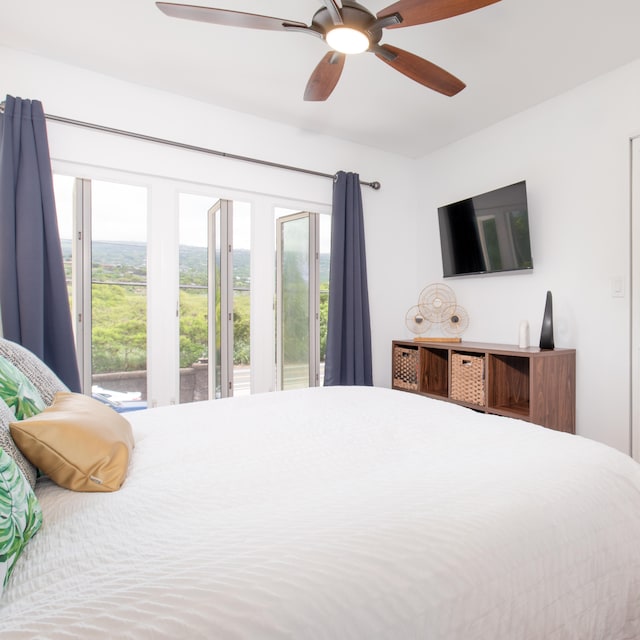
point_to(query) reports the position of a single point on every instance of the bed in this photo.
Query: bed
(339, 513)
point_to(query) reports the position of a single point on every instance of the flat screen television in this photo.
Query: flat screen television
(488, 233)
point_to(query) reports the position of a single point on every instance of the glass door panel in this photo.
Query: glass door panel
(64, 189)
(296, 290)
(241, 298)
(214, 297)
(118, 291)
(324, 243)
(220, 331)
(193, 297)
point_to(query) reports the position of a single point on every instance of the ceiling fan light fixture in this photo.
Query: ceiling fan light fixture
(347, 40)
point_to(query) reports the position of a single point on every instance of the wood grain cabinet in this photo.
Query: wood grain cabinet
(531, 384)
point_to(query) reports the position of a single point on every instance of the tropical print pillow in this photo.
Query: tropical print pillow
(18, 392)
(20, 516)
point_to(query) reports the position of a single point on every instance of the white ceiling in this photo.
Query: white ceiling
(512, 55)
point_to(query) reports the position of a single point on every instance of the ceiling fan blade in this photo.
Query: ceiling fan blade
(420, 70)
(422, 11)
(226, 17)
(325, 77)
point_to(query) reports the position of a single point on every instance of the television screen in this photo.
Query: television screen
(488, 233)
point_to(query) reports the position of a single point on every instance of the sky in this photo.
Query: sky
(119, 213)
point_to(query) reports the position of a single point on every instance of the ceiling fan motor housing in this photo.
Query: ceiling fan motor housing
(354, 16)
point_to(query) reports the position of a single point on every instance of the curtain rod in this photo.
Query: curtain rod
(181, 145)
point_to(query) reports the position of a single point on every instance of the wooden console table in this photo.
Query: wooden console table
(530, 384)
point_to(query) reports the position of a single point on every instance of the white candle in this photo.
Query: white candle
(523, 342)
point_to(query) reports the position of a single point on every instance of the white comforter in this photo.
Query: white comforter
(339, 513)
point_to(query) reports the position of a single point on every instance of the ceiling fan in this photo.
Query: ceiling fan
(347, 28)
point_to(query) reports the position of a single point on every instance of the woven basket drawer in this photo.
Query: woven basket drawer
(467, 378)
(406, 366)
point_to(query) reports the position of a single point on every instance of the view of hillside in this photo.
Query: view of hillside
(130, 258)
(119, 306)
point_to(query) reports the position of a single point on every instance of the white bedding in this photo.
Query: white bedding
(339, 513)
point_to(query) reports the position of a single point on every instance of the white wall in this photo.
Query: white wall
(573, 151)
(75, 93)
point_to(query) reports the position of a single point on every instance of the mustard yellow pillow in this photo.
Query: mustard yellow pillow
(80, 443)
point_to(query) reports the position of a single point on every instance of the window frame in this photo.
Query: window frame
(163, 353)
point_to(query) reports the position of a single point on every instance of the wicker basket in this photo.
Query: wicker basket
(467, 378)
(406, 365)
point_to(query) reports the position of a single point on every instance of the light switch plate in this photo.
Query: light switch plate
(617, 287)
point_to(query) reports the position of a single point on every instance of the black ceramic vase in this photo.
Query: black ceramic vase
(546, 335)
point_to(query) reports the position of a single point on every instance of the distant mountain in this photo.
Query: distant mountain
(120, 260)
(113, 254)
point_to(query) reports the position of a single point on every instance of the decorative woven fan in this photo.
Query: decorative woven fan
(437, 306)
(457, 322)
(436, 302)
(416, 322)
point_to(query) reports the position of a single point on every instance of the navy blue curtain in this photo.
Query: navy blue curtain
(33, 292)
(348, 354)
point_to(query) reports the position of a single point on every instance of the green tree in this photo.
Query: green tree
(193, 326)
(324, 315)
(241, 328)
(119, 328)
